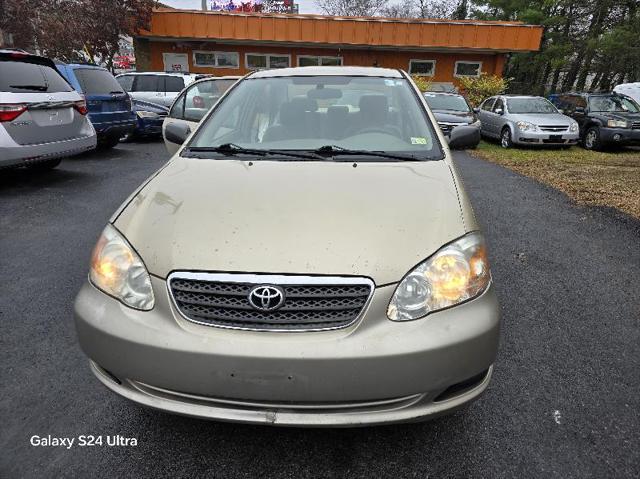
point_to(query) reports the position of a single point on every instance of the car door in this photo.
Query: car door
(484, 115)
(497, 120)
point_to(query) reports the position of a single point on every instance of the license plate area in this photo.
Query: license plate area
(555, 137)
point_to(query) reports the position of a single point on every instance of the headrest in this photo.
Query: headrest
(304, 103)
(337, 111)
(374, 104)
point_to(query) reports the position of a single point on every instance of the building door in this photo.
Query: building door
(175, 62)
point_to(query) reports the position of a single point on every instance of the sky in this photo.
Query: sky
(306, 6)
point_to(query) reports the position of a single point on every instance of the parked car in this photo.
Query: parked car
(297, 263)
(109, 105)
(194, 102)
(150, 117)
(629, 89)
(526, 120)
(42, 118)
(452, 110)
(156, 87)
(605, 119)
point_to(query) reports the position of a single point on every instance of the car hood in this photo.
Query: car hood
(140, 105)
(376, 219)
(454, 117)
(543, 118)
(619, 115)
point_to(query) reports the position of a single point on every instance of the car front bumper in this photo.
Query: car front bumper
(374, 372)
(545, 138)
(620, 136)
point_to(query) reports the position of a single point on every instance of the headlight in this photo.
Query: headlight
(117, 270)
(526, 126)
(617, 124)
(573, 128)
(457, 272)
(146, 114)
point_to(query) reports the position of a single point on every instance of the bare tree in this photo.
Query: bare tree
(420, 9)
(352, 8)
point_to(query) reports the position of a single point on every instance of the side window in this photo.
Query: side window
(199, 98)
(146, 83)
(499, 105)
(173, 84)
(488, 104)
(581, 102)
(177, 110)
(126, 82)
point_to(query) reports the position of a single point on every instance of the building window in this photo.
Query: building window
(313, 61)
(467, 69)
(258, 61)
(422, 67)
(216, 59)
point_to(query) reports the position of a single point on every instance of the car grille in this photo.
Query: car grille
(311, 303)
(447, 127)
(553, 127)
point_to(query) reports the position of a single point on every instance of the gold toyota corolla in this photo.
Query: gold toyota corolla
(308, 257)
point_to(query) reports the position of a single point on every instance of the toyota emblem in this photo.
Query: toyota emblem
(266, 298)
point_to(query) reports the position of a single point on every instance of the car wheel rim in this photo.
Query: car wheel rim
(505, 139)
(590, 140)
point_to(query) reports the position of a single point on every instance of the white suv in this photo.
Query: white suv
(156, 87)
(42, 118)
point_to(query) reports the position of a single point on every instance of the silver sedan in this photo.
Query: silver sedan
(526, 120)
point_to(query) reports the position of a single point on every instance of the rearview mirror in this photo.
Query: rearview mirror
(476, 110)
(498, 111)
(177, 132)
(464, 137)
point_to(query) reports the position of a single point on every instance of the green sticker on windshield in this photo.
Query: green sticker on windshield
(418, 140)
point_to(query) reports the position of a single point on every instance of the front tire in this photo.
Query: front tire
(505, 138)
(109, 142)
(592, 139)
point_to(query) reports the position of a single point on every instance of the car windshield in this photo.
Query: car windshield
(613, 103)
(447, 102)
(94, 81)
(309, 112)
(30, 77)
(530, 105)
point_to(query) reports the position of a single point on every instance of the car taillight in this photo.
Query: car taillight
(80, 106)
(9, 112)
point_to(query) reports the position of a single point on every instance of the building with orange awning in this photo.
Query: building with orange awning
(224, 43)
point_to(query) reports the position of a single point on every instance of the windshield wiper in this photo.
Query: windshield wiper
(30, 87)
(233, 149)
(334, 150)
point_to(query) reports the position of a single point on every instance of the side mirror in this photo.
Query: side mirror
(476, 110)
(464, 137)
(561, 111)
(580, 110)
(498, 111)
(177, 132)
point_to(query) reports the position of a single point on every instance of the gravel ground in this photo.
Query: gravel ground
(564, 400)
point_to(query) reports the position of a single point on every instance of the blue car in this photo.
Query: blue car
(110, 109)
(149, 119)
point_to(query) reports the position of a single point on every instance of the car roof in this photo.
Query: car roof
(177, 74)
(442, 93)
(327, 71)
(82, 65)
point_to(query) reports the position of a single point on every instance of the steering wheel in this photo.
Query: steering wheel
(374, 129)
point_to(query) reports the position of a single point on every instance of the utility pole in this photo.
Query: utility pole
(204, 5)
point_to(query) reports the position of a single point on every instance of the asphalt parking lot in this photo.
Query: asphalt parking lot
(564, 399)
